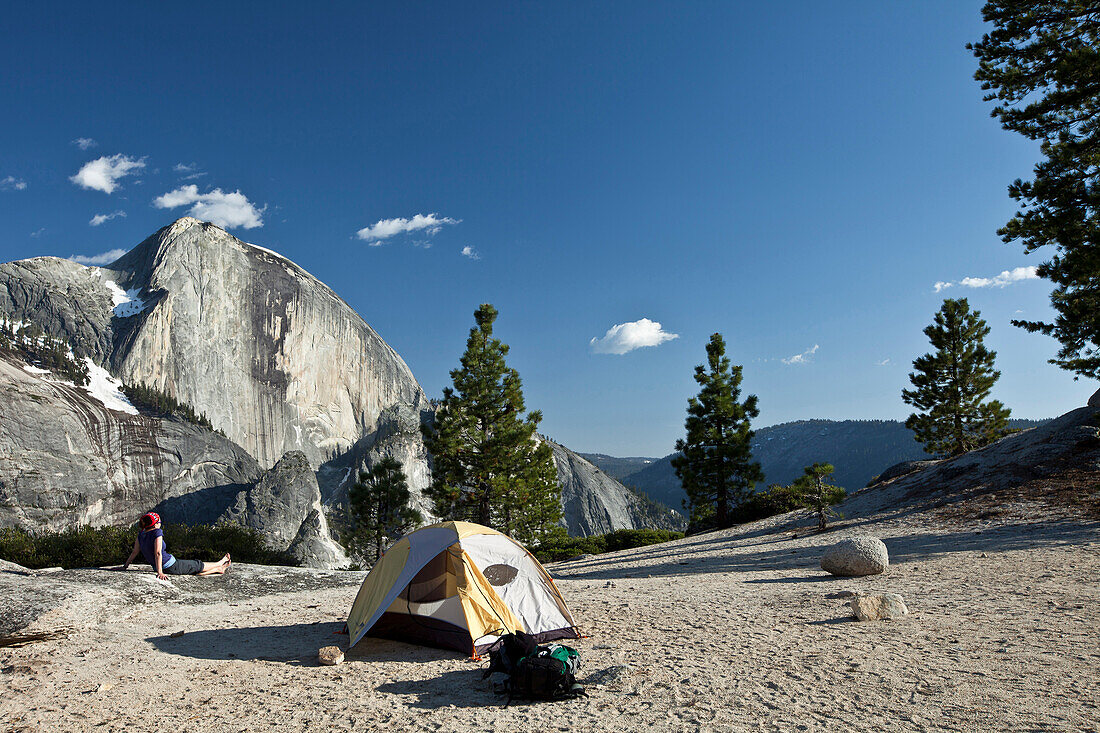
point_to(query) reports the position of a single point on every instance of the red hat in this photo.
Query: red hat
(149, 520)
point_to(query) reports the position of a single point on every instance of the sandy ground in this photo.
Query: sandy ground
(727, 631)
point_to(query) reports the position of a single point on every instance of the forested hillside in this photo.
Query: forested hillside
(859, 449)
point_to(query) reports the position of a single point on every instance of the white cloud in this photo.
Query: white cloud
(386, 228)
(84, 143)
(101, 218)
(884, 362)
(99, 259)
(102, 174)
(38, 232)
(11, 183)
(802, 358)
(227, 210)
(1007, 277)
(470, 252)
(624, 337)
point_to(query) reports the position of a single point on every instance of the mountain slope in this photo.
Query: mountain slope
(859, 449)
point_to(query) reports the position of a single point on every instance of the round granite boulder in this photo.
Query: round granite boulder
(856, 556)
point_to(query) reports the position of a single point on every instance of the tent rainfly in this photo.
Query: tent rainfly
(461, 586)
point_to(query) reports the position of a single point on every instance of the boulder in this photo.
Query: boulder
(856, 556)
(285, 506)
(330, 656)
(878, 608)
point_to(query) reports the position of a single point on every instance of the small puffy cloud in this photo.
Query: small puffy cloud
(884, 362)
(227, 210)
(102, 174)
(11, 183)
(470, 252)
(38, 232)
(101, 218)
(100, 259)
(624, 337)
(85, 143)
(1006, 278)
(802, 358)
(386, 228)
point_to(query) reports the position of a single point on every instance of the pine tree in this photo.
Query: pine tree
(380, 508)
(815, 491)
(1041, 63)
(487, 466)
(716, 467)
(950, 386)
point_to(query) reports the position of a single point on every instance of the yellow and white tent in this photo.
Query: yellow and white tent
(458, 585)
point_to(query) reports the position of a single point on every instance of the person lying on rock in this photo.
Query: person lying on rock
(150, 543)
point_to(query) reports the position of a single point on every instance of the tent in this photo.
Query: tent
(458, 585)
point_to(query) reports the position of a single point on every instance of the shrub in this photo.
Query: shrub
(563, 548)
(82, 547)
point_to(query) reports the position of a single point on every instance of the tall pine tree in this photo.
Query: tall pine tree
(487, 466)
(380, 508)
(1041, 64)
(716, 467)
(950, 386)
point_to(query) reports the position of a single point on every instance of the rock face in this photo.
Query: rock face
(285, 506)
(594, 503)
(67, 300)
(65, 459)
(879, 608)
(39, 606)
(269, 353)
(856, 556)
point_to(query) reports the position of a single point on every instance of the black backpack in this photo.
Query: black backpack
(536, 672)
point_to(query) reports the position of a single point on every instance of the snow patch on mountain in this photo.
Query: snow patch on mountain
(108, 390)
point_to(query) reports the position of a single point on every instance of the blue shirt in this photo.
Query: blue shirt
(147, 540)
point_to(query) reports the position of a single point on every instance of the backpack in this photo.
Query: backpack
(536, 672)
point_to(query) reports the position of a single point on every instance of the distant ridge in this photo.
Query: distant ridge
(859, 449)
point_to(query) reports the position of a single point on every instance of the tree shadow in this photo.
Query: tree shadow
(823, 578)
(779, 554)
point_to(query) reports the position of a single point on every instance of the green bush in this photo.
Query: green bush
(83, 547)
(563, 548)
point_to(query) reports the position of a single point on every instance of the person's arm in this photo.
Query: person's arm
(134, 554)
(158, 552)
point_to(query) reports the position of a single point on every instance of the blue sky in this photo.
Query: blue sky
(797, 176)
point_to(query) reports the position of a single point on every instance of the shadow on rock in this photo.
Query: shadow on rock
(296, 644)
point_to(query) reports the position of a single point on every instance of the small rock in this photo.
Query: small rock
(330, 656)
(877, 608)
(176, 634)
(609, 584)
(856, 556)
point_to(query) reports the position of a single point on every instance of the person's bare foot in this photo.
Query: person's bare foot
(227, 561)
